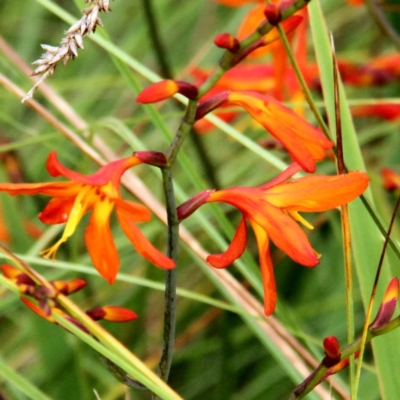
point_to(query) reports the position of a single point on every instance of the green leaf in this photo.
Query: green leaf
(367, 240)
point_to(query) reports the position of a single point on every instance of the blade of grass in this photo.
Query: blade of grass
(367, 238)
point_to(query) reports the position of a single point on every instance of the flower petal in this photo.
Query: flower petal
(285, 233)
(100, 243)
(305, 143)
(57, 210)
(57, 189)
(317, 193)
(141, 243)
(137, 212)
(111, 172)
(267, 269)
(234, 251)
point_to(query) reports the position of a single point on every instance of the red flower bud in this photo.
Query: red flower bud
(388, 305)
(332, 351)
(112, 313)
(228, 42)
(273, 14)
(189, 207)
(211, 104)
(152, 158)
(165, 89)
(391, 180)
(16, 276)
(69, 287)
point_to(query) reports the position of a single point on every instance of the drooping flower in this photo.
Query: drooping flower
(272, 210)
(305, 143)
(100, 194)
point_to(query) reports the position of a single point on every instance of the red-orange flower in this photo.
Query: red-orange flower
(305, 143)
(391, 179)
(272, 210)
(99, 193)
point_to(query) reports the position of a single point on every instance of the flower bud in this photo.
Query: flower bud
(332, 351)
(112, 313)
(228, 42)
(391, 180)
(388, 305)
(154, 158)
(211, 104)
(273, 14)
(165, 89)
(189, 207)
(69, 287)
(16, 276)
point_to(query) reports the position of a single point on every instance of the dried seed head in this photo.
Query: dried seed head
(69, 45)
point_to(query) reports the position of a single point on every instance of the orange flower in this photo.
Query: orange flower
(100, 193)
(387, 111)
(272, 210)
(305, 143)
(238, 3)
(391, 179)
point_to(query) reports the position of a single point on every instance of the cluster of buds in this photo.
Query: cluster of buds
(333, 355)
(42, 299)
(69, 45)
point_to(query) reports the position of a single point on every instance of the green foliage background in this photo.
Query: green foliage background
(220, 353)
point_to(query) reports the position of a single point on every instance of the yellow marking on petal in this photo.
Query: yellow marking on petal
(87, 196)
(297, 217)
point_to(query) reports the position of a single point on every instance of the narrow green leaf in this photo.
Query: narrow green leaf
(367, 240)
(7, 374)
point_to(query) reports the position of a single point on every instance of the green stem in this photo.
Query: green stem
(318, 374)
(155, 38)
(170, 280)
(383, 23)
(173, 223)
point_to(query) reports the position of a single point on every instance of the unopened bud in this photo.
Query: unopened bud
(391, 180)
(189, 207)
(211, 104)
(112, 313)
(17, 276)
(165, 89)
(154, 158)
(332, 351)
(228, 42)
(69, 287)
(388, 305)
(273, 14)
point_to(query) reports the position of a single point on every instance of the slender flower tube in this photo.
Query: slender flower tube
(99, 193)
(272, 211)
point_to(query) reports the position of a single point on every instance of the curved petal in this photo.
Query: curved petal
(267, 269)
(56, 189)
(141, 243)
(317, 193)
(110, 172)
(234, 251)
(237, 3)
(137, 212)
(285, 233)
(100, 243)
(57, 210)
(296, 140)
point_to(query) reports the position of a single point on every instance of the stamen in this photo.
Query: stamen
(297, 217)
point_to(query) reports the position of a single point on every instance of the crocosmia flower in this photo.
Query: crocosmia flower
(305, 143)
(100, 194)
(272, 211)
